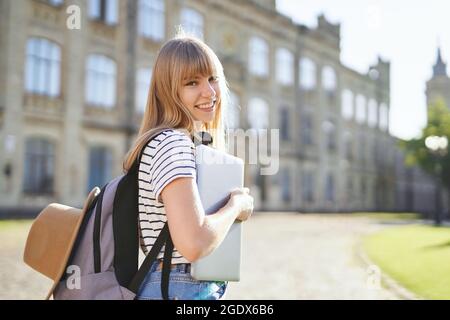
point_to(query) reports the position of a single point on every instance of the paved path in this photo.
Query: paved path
(305, 257)
(286, 256)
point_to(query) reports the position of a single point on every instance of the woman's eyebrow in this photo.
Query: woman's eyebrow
(192, 78)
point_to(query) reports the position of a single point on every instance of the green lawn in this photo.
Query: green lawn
(417, 256)
(14, 224)
(386, 215)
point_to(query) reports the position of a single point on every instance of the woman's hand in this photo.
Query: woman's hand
(243, 202)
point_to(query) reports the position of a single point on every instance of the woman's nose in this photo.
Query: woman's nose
(208, 90)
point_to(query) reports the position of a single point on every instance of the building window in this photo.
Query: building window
(307, 74)
(152, 19)
(329, 188)
(372, 116)
(329, 128)
(328, 78)
(39, 166)
(360, 109)
(103, 10)
(285, 185)
(363, 191)
(284, 123)
(362, 148)
(384, 117)
(260, 181)
(43, 67)
(143, 77)
(258, 114)
(233, 113)
(258, 57)
(308, 187)
(192, 22)
(100, 167)
(285, 67)
(307, 129)
(100, 81)
(347, 104)
(348, 143)
(349, 188)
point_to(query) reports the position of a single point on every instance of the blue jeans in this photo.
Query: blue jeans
(181, 285)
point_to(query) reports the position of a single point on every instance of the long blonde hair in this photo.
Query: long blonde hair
(179, 58)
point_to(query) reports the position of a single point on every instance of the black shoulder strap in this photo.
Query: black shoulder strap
(126, 223)
(149, 259)
(168, 250)
(164, 239)
(97, 225)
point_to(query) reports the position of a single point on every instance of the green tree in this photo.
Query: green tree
(436, 164)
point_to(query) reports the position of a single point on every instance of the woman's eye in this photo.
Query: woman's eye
(213, 79)
(192, 83)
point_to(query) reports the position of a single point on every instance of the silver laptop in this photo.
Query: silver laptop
(217, 174)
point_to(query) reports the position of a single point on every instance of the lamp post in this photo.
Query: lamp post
(438, 148)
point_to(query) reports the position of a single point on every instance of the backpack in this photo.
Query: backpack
(102, 256)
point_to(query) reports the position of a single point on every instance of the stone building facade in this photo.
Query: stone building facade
(71, 100)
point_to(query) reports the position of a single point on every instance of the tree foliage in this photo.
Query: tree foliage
(417, 153)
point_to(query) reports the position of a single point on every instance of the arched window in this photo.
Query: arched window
(100, 166)
(308, 186)
(285, 128)
(192, 22)
(329, 128)
(384, 117)
(103, 10)
(143, 77)
(258, 57)
(328, 78)
(43, 67)
(100, 81)
(347, 104)
(372, 116)
(307, 74)
(258, 113)
(329, 188)
(285, 183)
(285, 67)
(152, 19)
(360, 109)
(307, 128)
(39, 168)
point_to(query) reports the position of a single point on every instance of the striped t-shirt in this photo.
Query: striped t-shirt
(168, 156)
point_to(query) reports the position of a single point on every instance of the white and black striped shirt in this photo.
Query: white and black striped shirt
(168, 156)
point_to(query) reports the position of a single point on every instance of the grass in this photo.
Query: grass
(386, 215)
(13, 224)
(417, 256)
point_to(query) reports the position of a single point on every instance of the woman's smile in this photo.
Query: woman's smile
(207, 107)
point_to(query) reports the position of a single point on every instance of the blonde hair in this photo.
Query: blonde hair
(179, 58)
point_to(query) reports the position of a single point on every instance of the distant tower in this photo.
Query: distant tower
(438, 87)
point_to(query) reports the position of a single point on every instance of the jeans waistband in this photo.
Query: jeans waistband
(181, 267)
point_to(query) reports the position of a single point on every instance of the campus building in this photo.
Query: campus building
(71, 100)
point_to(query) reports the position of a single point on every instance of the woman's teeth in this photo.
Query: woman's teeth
(205, 106)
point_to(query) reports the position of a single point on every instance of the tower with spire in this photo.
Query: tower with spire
(438, 87)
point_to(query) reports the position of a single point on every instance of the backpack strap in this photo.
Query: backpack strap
(168, 250)
(97, 224)
(126, 223)
(164, 239)
(149, 259)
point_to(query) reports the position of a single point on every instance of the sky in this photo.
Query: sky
(405, 32)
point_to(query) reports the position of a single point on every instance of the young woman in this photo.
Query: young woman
(187, 94)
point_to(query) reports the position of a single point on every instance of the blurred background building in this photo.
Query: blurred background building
(71, 102)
